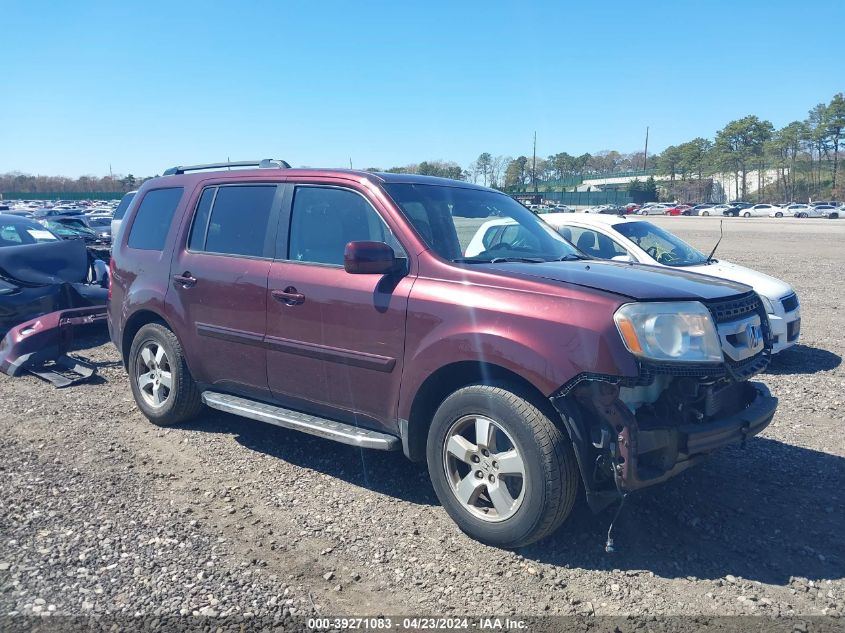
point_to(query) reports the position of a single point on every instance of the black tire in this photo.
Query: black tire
(705, 213)
(551, 480)
(778, 214)
(746, 215)
(644, 212)
(184, 400)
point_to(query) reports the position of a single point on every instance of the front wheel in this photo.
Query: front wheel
(163, 387)
(643, 212)
(746, 215)
(778, 214)
(705, 213)
(501, 468)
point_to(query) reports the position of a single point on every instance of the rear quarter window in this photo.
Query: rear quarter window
(153, 218)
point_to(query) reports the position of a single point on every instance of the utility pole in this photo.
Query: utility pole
(645, 153)
(534, 164)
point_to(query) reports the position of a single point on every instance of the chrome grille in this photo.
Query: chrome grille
(736, 308)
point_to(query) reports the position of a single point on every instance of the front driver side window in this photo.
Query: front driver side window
(596, 244)
(325, 219)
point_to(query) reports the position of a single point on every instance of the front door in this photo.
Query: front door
(218, 298)
(335, 340)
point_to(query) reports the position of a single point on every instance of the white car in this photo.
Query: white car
(655, 209)
(760, 211)
(788, 210)
(640, 241)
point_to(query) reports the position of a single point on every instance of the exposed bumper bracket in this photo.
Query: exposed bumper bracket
(40, 346)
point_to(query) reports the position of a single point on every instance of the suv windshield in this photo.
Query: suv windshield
(661, 245)
(448, 218)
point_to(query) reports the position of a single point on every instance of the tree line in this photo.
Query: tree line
(804, 155)
(25, 183)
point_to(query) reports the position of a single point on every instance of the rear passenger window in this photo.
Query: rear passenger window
(153, 218)
(238, 223)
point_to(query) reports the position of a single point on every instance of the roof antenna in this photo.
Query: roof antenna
(350, 162)
(721, 234)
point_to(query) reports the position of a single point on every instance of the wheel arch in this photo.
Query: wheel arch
(134, 323)
(448, 379)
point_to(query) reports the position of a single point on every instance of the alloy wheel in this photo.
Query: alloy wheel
(154, 376)
(484, 468)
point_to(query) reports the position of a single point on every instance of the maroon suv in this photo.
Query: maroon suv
(343, 304)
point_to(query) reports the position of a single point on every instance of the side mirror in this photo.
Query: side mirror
(370, 258)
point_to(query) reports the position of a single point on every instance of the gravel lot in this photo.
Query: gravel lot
(101, 512)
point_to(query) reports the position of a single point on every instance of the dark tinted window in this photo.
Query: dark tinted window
(239, 220)
(196, 242)
(325, 220)
(124, 204)
(152, 220)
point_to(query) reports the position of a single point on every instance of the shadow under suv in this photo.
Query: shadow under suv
(343, 304)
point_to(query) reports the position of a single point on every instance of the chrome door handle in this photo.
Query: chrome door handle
(186, 280)
(289, 296)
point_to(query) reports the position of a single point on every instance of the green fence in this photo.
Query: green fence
(577, 198)
(640, 173)
(62, 195)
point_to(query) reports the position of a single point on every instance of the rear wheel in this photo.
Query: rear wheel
(644, 212)
(705, 213)
(778, 214)
(746, 215)
(163, 387)
(501, 468)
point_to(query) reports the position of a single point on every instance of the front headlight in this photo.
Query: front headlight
(770, 309)
(678, 331)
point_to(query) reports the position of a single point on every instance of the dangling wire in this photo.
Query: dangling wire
(608, 546)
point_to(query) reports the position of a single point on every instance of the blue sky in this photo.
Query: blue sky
(143, 86)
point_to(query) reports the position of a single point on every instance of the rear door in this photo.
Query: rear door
(218, 294)
(337, 348)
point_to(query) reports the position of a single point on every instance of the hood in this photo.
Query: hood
(763, 284)
(637, 281)
(63, 261)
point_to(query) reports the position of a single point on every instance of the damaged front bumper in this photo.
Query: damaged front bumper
(620, 450)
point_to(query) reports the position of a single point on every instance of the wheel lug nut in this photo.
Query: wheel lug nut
(492, 479)
(475, 459)
(495, 464)
(479, 474)
(485, 452)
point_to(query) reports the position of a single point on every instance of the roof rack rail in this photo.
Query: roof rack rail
(266, 163)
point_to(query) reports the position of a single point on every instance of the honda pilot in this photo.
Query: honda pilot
(345, 304)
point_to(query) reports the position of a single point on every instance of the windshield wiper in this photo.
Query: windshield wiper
(525, 260)
(571, 257)
(470, 260)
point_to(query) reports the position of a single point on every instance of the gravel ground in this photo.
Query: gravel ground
(101, 512)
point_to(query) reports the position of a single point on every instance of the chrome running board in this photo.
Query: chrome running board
(297, 421)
